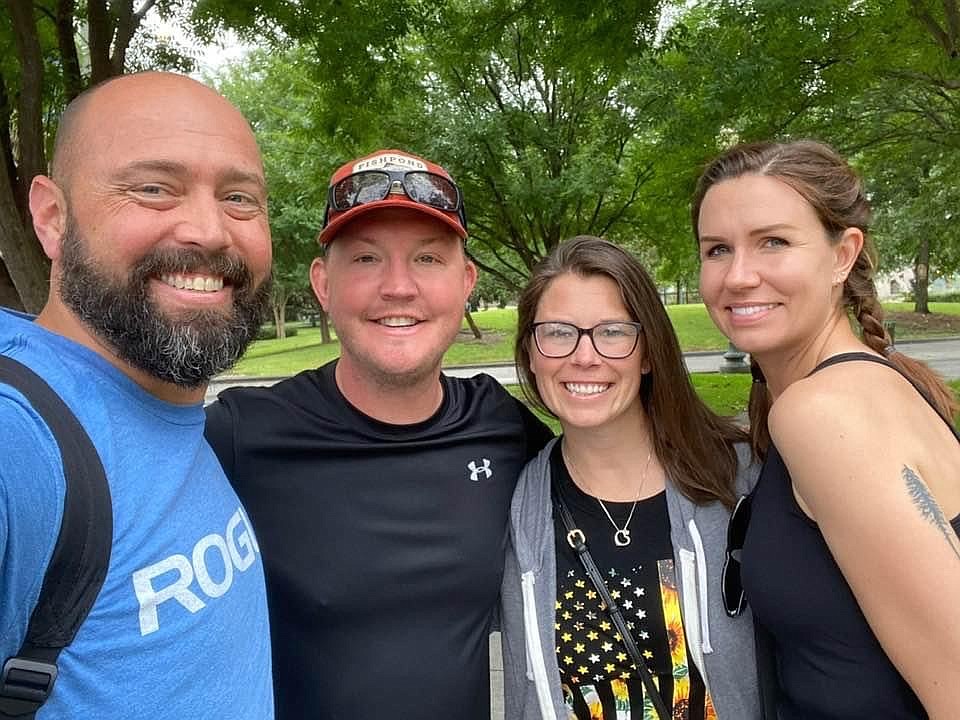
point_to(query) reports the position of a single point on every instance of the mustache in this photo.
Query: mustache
(169, 261)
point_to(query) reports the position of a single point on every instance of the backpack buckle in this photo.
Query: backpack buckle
(27, 680)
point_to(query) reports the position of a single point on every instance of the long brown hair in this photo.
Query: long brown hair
(694, 444)
(835, 192)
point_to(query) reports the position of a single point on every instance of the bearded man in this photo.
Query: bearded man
(154, 218)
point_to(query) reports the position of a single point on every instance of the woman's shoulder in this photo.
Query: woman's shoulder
(839, 420)
(867, 398)
(850, 394)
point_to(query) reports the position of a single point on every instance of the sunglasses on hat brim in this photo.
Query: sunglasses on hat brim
(367, 186)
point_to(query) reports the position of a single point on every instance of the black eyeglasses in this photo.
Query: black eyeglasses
(422, 187)
(734, 598)
(612, 340)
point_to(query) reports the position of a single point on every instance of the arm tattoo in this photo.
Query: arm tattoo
(927, 505)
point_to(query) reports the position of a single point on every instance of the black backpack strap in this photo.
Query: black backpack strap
(79, 563)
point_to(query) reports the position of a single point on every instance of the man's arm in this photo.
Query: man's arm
(219, 432)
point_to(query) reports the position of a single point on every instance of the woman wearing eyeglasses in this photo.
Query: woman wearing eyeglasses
(611, 606)
(850, 558)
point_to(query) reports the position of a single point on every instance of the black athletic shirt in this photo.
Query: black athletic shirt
(383, 545)
(597, 676)
(830, 665)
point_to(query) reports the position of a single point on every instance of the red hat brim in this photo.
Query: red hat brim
(329, 233)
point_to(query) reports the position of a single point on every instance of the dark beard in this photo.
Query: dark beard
(186, 350)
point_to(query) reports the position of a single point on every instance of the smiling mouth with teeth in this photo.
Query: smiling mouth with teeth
(586, 388)
(398, 321)
(197, 283)
(751, 309)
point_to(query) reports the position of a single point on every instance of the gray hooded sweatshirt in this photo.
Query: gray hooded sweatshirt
(722, 647)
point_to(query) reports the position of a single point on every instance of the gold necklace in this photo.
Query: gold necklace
(621, 536)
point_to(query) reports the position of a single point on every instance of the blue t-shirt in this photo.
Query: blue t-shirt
(180, 627)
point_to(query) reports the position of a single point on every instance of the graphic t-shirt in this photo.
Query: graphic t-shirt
(179, 628)
(599, 680)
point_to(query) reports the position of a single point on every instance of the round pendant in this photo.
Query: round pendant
(621, 538)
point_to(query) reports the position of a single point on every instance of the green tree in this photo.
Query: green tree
(562, 118)
(533, 106)
(549, 121)
(879, 79)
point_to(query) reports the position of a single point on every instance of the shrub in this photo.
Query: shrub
(269, 332)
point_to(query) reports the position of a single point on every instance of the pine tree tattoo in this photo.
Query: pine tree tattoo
(928, 507)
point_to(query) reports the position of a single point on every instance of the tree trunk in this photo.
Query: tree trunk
(473, 325)
(325, 338)
(921, 277)
(72, 79)
(100, 35)
(32, 160)
(279, 304)
(9, 163)
(9, 297)
(25, 262)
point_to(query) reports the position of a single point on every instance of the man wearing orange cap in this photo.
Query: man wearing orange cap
(379, 488)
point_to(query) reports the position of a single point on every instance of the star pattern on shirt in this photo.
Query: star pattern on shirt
(590, 649)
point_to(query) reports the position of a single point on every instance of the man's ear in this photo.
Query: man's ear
(470, 279)
(319, 281)
(48, 207)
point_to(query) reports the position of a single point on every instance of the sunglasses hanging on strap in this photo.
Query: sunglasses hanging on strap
(578, 542)
(731, 583)
(735, 601)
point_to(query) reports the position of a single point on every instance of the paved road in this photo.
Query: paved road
(942, 355)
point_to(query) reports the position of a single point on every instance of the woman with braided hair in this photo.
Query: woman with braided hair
(850, 559)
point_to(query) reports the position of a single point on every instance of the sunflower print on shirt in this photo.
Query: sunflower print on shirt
(598, 678)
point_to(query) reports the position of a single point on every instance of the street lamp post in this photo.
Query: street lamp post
(734, 360)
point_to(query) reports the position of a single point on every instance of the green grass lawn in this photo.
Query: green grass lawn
(935, 307)
(943, 320)
(692, 323)
(695, 328)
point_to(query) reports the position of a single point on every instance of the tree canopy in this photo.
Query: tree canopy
(556, 118)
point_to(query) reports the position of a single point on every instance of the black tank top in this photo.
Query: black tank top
(829, 663)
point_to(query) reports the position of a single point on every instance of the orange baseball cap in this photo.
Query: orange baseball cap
(392, 178)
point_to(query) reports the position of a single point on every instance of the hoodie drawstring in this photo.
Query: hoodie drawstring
(535, 659)
(702, 587)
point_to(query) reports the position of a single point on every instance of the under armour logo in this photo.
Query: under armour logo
(483, 468)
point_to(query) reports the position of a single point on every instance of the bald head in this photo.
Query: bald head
(100, 109)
